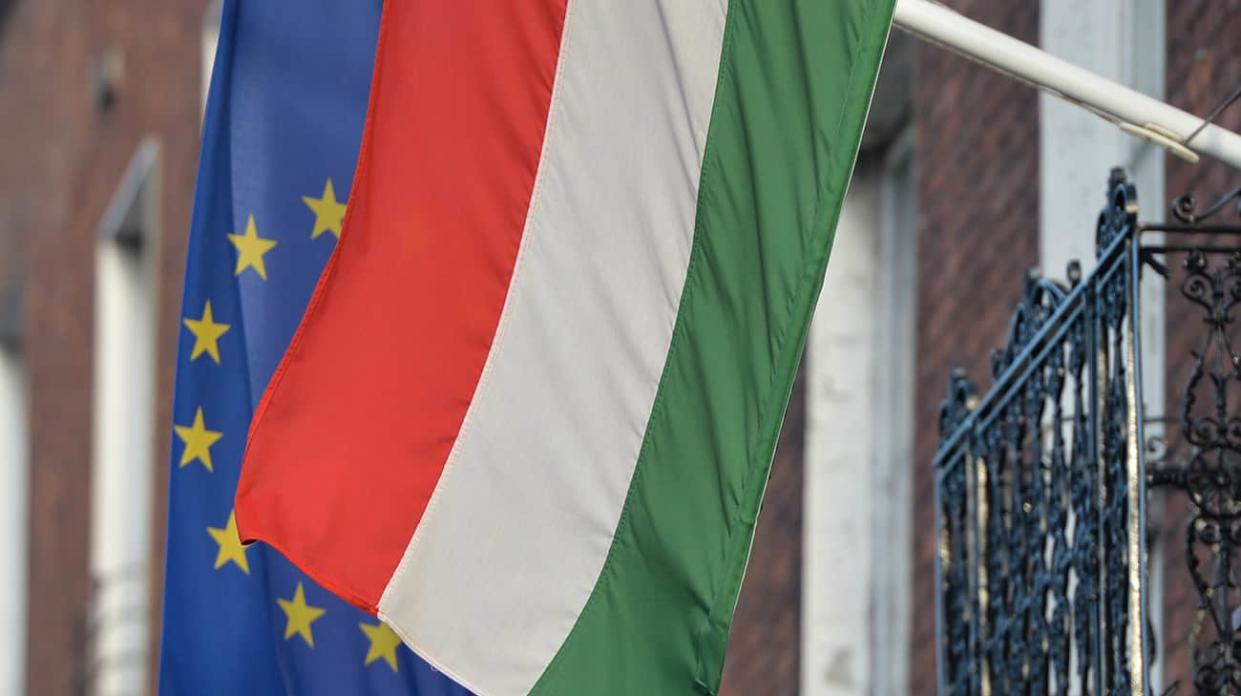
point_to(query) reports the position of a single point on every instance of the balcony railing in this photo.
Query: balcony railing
(1042, 483)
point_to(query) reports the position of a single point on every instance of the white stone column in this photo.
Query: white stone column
(123, 422)
(840, 448)
(1123, 40)
(859, 434)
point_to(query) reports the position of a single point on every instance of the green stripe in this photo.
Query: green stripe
(795, 82)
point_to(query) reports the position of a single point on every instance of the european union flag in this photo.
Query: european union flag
(284, 121)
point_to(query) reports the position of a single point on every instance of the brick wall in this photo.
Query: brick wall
(1203, 66)
(64, 157)
(977, 143)
(35, 181)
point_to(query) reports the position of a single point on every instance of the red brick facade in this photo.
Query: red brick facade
(976, 144)
(1204, 65)
(64, 155)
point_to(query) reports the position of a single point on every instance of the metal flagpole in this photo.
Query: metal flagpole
(1181, 133)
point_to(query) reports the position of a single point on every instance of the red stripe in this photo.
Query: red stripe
(350, 438)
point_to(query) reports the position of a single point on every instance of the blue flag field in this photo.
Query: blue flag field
(284, 121)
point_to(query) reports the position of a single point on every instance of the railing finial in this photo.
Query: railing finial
(1121, 212)
(960, 402)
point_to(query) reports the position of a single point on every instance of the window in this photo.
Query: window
(14, 497)
(123, 417)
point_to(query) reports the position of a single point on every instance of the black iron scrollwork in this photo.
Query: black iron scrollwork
(1185, 210)
(1041, 483)
(1209, 471)
(1040, 300)
(1035, 516)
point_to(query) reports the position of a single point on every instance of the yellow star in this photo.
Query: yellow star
(231, 549)
(300, 616)
(384, 642)
(329, 213)
(207, 335)
(250, 249)
(198, 440)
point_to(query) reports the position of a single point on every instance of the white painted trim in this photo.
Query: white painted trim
(859, 429)
(14, 521)
(210, 40)
(123, 420)
(896, 347)
(840, 448)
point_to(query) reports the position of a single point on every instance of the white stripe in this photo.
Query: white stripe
(517, 530)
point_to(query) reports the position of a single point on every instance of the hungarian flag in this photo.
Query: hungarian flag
(529, 414)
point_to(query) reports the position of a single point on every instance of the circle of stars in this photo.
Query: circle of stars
(197, 438)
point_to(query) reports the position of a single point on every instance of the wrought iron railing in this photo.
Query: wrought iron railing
(1041, 484)
(1200, 458)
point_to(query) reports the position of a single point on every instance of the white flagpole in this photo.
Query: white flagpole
(1181, 133)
